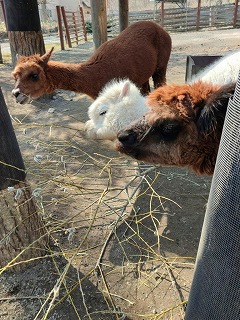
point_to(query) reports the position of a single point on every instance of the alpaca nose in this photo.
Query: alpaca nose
(16, 92)
(127, 138)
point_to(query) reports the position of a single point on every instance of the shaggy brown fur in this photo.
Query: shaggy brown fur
(183, 126)
(139, 52)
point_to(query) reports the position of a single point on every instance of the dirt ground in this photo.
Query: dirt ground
(125, 235)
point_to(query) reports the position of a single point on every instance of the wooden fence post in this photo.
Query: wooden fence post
(162, 14)
(235, 14)
(60, 29)
(22, 234)
(66, 27)
(1, 58)
(198, 15)
(123, 14)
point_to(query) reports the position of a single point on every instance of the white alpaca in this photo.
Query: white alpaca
(222, 71)
(118, 104)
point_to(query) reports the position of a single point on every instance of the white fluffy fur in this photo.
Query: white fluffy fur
(118, 104)
(222, 71)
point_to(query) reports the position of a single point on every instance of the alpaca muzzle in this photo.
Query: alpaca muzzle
(127, 142)
(127, 138)
(16, 92)
(135, 133)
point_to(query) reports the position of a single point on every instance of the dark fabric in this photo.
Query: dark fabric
(22, 15)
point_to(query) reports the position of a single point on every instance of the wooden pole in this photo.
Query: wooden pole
(99, 22)
(24, 29)
(22, 235)
(69, 42)
(60, 29)
(235, 14)
(198, 15)
(123, 14)
(1, 58)
(162, 14)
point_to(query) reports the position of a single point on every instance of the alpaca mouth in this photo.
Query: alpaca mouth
(23, 99)
(131, 152)
(90, 130)
(20, 97)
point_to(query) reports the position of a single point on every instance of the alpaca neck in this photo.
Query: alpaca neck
(74, 77)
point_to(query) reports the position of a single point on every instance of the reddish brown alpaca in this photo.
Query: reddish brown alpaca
(182, 127)
(139, 52)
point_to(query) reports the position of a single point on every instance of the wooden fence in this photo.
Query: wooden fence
(71, 26)
(186, 18)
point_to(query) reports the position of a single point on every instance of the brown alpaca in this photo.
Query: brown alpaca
(183, 126)
(139, 52)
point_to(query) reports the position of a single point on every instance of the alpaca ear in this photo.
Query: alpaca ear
(45, 58)
(211, 117)
(207, 120)
(18, 56)
(125, 90)
(184, 100)
(185, 105)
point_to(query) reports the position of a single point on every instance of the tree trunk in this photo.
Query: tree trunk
(22, 234)
(25, 43)
(24, 28)
(99, 22)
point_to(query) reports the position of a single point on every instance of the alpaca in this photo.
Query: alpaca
(222, 71)
(139, 52)
(183, 126)
(118, 104)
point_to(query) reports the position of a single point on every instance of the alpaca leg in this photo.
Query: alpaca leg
(145, 89)
(159, 77)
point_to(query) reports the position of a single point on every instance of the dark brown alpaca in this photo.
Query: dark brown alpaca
(182, 127)
(139, 52)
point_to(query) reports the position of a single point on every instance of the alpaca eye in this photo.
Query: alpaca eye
(167, 131)
(170, 128)
(33, 76)
(102, 113)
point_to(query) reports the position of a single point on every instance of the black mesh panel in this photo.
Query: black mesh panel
(215, 291)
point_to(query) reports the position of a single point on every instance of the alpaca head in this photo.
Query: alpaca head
(182, 127)
(118, 104)
(30, 77)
